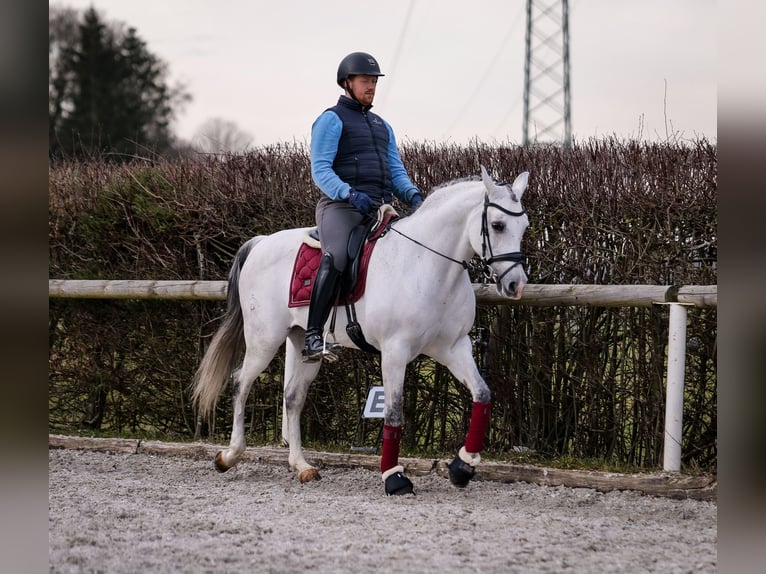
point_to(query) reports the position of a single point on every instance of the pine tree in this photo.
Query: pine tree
(111, 96)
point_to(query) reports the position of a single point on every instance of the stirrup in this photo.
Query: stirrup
(328, 348)
(325, 354)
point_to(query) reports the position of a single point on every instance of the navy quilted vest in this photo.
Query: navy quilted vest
(362, 159)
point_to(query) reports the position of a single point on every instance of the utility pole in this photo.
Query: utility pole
(547, 106)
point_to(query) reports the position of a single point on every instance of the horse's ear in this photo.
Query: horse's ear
(520, 185)
(489, 183)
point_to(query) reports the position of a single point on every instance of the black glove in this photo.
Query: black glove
(361, 201)
(416, 200)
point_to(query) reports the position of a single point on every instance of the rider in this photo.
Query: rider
(356, 164)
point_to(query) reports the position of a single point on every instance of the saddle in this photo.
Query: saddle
(361, 242)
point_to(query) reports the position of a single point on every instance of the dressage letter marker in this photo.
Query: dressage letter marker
(373, 409)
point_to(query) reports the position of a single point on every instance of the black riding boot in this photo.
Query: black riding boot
(323, 295)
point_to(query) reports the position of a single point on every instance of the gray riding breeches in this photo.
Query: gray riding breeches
(335, 220)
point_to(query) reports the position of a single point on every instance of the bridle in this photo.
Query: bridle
(488, 274)
(486, 245)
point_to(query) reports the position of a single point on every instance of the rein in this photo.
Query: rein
(486, 246)
(465, 264)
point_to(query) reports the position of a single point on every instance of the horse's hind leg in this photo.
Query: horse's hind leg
(298, 377)
(256, 360)
(461, 364)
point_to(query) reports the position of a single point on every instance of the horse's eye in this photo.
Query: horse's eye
(498, 226)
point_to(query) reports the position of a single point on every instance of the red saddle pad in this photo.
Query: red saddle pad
(305, 271)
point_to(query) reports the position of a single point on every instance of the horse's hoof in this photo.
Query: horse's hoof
(309, 475)
(397, 484)
(460, 472)
(220, 466)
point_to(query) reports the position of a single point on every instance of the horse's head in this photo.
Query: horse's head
(504, 222)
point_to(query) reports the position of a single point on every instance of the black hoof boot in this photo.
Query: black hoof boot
(397, 483)
(460, 472)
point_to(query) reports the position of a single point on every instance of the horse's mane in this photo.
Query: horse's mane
(454, 182)
(434, 194)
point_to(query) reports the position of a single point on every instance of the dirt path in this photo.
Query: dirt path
(145, 513)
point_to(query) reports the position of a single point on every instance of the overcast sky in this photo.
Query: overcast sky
(454, 69)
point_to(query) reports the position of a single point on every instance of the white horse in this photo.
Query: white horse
(418, 300)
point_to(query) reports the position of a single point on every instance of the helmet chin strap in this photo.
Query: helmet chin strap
(350, 91)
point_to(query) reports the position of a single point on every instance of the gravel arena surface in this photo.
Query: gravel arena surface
(131, 513)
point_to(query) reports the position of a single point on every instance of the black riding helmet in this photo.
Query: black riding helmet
(355, 64)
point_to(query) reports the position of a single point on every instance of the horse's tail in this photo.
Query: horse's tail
(225, 348)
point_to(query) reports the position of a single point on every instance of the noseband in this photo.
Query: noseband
(517, 257)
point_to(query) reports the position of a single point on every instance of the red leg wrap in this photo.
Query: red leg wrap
(474, 440)
(392, 436)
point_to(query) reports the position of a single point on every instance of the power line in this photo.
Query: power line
(485, 76)
(512, 108)
(399, 44)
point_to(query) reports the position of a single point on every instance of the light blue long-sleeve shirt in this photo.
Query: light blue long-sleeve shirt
(325, 135)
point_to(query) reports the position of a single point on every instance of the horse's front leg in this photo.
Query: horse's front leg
(298, 377)
(459, 360)
(392, 473)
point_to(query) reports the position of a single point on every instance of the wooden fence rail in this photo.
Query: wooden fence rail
(536, 295)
